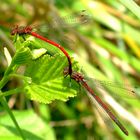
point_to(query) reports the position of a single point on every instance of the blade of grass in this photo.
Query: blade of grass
(132, 6)
(5, 105)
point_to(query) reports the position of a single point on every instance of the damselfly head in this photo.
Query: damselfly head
(14, 30)
(21, 30)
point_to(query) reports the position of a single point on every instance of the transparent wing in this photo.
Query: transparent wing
(68, 21)
(74, 19)
(119, 89)
(102, 118)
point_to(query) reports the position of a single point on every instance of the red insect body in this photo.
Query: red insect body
(28, 30)
(78, 77)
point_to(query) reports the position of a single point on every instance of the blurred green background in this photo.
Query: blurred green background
(103, 36)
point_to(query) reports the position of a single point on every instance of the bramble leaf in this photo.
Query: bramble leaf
(22, 56)
(48, 82)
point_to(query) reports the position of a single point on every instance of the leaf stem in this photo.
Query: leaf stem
(11, 69)
(5, 105)
(10, 92)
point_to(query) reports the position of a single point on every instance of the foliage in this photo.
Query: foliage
(106, 47)
(32, 126)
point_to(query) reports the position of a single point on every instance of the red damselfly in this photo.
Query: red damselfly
(29, 30)
(79, 78)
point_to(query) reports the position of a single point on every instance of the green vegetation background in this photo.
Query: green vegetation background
(107, 47)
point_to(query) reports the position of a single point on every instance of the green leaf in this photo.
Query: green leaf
(32, 126)
(38, 52)
(22, 56)
(48, 82)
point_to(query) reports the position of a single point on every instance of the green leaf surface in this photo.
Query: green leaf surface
(32, 126)
(48, 82)
(22, 56)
